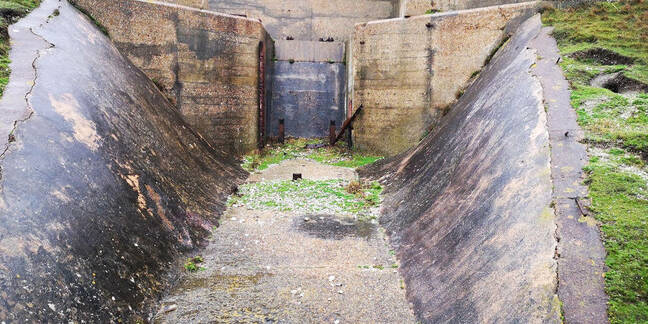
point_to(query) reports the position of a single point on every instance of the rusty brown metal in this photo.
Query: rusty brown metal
(346, 125)
(282, 131)
(332, 136)
(261, 140)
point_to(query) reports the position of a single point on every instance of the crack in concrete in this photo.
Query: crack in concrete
(28, 94)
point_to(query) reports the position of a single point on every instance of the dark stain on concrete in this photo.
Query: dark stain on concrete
(329, 227)
(202, 43)
(105, 185)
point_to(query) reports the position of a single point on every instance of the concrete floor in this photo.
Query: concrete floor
(267, 267)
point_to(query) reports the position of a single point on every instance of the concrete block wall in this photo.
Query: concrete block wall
(304, 19)
(207, 63)
(406, 72)
(420, 7)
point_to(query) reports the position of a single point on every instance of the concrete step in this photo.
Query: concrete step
(309, 51)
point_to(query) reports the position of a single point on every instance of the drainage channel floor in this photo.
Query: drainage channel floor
(267, 266)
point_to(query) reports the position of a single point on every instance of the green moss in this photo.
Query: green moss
(619, 200)
(338, 155)
(616, 126)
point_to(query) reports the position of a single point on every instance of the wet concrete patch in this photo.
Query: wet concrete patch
(332, 228)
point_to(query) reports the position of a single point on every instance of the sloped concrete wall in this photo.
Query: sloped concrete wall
(206, 62)
(469, 208)
(304, 19)
(102, 183)
(407, 72)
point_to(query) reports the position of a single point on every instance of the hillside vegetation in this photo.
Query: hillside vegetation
(605, 58)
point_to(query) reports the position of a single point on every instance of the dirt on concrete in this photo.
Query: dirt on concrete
(309, 169)
(287, 267)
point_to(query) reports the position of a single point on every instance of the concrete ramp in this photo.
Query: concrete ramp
(102, 185)
(469, 208)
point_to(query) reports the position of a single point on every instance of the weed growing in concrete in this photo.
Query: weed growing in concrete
(604, 38)
(192, 264)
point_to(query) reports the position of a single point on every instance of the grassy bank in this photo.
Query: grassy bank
(611, 38)
(10, 11)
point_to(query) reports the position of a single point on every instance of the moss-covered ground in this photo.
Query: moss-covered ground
(335, 196)
(338, 155)
(10, 10)
(616, 127)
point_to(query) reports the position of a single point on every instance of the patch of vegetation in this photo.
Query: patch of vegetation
(620, 202)
(621, 27)
(432, 11)
(616, 127)
(10, 11)
(338, 155)
(310, 196)
(193, 264)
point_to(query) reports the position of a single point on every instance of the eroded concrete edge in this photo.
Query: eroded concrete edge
(580, 252)
(27, 48)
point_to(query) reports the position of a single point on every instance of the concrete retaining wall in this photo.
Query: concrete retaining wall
(304, 19)
(469, 209)
(420, 7)
(407, 72)
(207, 63)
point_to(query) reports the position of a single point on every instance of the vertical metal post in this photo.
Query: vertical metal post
(282, 131)
(332, 135)
(350, 136)
(261, 140)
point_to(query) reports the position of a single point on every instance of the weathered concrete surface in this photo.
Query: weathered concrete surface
(581, 264)
(304, 19)
(469, 210)
(420, 7)
(307, 95)
(207, 63)
(407, 72)
(278, 267)
(309, 51)
(102, 183)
